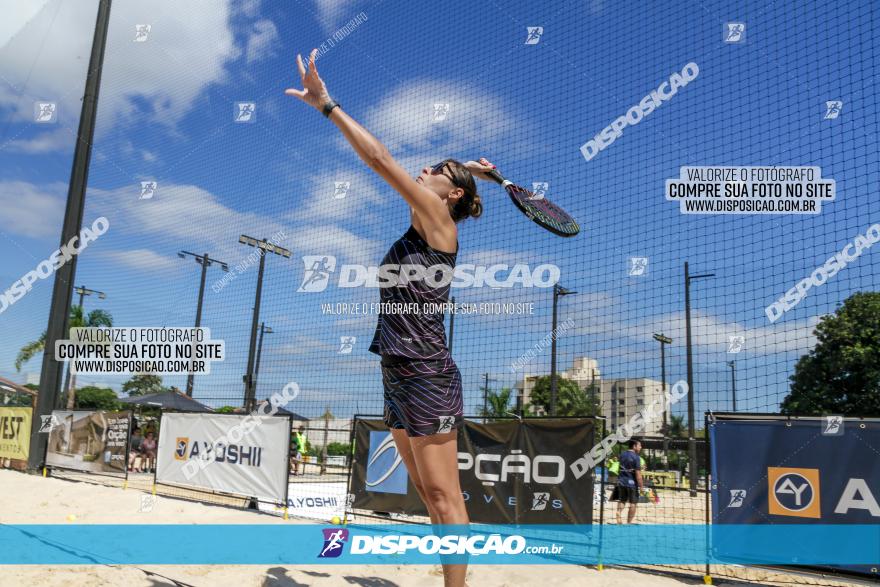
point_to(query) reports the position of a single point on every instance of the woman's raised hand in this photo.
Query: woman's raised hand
(479, 168)
(314, 92)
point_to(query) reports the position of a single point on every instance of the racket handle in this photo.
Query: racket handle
(496, 176)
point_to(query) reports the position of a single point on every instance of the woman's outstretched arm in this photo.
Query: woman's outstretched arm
(372, 152)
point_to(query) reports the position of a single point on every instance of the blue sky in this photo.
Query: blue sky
(166, 114)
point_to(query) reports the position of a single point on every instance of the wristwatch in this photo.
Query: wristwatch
(329, 106)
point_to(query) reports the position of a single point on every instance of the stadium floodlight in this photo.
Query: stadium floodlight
(250, 377)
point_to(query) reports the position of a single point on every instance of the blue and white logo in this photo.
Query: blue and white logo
(385, 470)
(334, 541)
(737, 497)
(734, 32)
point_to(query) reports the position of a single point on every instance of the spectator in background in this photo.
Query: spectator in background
(300, 441)
(134, 450)
(148, 451)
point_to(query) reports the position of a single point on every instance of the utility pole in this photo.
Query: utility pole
(82, 291)
(664, 340)
(732, 365)
(205, 261)
(558, 291)
(692, 443)
(486, 396)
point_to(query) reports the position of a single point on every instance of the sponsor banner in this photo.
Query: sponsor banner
(316, 501)
(89, 441)
(214, 452)
(668, 479)
(15, 432)
(397, 544)
(799, 471)
(511, 471)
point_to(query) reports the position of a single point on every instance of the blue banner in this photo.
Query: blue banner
(797, 472)
(295, 544)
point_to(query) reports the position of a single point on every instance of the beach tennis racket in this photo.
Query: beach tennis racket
(542, 211)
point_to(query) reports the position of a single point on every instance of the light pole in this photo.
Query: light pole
(264, 247)
(83, 291)
(664, 340)
(263, 330)
(558, 291)
(205, 261)
(732, 365)
(486, 396)
(692, 443)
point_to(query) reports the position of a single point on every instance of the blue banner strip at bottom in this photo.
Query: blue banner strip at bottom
(298, 544)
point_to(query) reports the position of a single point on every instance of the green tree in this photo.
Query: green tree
(97, 398)
(571, 400)
(144, 384)
(676, 428)
(76, 319)
(339, 449)
(497, 404)
(225, 410)
(841, 375)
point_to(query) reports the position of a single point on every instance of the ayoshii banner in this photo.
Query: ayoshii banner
(93, 441)
(796, 471)
(244, 455)
(15, 432)
(511, 471)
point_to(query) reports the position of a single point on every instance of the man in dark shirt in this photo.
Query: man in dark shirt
(629, 481)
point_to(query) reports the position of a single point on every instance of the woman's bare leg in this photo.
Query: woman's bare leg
(436, 458)
(404, 449)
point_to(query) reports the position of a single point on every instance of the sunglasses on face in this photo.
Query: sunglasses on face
(438, 168)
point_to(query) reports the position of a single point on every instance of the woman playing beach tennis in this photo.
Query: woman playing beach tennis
(423, 397)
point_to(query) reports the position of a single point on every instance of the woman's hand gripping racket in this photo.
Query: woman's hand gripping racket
(537, 207)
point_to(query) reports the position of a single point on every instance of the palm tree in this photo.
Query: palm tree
(498, 404)
(675, 428)
(76, 320)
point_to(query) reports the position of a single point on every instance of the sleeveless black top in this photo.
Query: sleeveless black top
(401, 332)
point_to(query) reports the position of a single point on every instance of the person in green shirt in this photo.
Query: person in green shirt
(299, 446)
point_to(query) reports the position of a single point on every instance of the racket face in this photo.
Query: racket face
(543, 212)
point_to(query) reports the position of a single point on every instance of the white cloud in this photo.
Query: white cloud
(361, 196)
(18, 17)
(261, 40)
(143, 260)
(403, 120)
(713, 334)
(32, 211)
(186, 51)
(332, 14)
(59, 139)
(333, 240)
